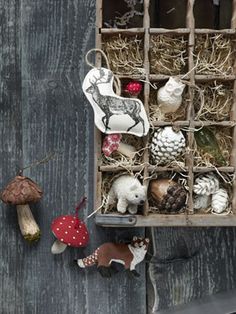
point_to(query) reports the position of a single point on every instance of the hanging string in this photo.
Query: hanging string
(102, 53)
(104, 201)
(78, 207)
(117, 82)
(46, 159)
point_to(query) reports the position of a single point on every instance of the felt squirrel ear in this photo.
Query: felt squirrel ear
(147, 240)
(135, 238)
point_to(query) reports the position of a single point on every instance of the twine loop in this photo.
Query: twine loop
(117, 83)
(78, 207)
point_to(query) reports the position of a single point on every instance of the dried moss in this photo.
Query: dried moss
(214, 54)
(168, 54)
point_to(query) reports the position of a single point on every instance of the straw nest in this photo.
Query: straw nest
(168, 54)
(215, 101)
(224, 139)
(214, 54)
(124, 53)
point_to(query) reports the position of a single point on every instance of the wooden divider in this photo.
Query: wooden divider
(193, 219)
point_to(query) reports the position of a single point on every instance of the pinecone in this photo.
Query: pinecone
(202, 202)
(206, 184)
(168, 195)
(220, 201)
(167, 144)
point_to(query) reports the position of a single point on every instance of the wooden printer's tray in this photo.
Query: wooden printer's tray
(148, 29)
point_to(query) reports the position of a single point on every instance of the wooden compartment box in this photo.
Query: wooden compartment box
(196, 26)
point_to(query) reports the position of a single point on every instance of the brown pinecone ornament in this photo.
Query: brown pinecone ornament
(167, 144)
(167, 195)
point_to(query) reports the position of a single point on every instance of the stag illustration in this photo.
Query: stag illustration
(112, 105)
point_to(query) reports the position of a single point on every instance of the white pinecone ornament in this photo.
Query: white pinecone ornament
(220, 201)
(167, 144)
(202, 201)
(206, 184)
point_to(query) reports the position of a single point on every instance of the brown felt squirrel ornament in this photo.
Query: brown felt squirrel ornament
(108, 254)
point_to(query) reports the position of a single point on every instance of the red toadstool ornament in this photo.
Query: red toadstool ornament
(133, 88)
(112, 143)
(69, 231)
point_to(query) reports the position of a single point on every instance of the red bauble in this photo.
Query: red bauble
(133, 88)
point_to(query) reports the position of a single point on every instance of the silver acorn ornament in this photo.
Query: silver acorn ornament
(206, 184)
(167, 144)
(220, 201)
(169, 97)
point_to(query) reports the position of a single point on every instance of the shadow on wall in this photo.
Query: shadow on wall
(220, 303)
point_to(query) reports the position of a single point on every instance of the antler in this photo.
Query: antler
(102, 77)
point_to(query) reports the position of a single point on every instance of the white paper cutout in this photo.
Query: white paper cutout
(112, 113)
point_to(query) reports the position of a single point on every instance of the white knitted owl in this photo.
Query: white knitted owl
(169, 97)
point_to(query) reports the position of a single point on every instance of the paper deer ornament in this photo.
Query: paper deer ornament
(112, 113)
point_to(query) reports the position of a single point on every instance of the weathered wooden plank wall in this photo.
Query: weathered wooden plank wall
(42, 109)
(191, 263)
(42, 48)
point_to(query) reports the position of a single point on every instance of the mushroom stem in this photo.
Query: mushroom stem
(127, 150)
(28, 226)
(58, 247)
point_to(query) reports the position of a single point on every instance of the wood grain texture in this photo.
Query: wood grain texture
(191, 263)
(10, 152)
(43, 110)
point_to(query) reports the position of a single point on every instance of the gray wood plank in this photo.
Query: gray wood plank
(191, 263)
(54, 120)
(11, 267)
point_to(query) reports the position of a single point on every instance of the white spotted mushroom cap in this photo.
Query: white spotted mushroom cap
(70, 230)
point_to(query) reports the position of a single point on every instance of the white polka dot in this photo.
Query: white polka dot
(72, 221)
(69, 226)
(58, 229)
(77, 231)
(73, 237)
(84, 238)
(62, 239)
(64, 218)
(80, 243)
(80, 227)
(69, 244)
(60, 223)
(66, 232)
(86, 232)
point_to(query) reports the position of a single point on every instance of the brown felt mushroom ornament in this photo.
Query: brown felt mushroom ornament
(21, 191)
(69, 231)
(112, 143)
